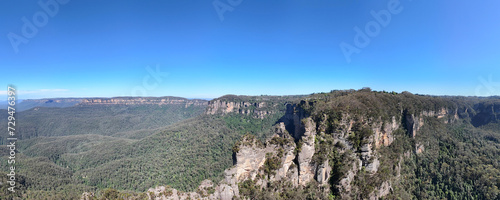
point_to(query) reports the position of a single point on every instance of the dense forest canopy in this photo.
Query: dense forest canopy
(131, 148)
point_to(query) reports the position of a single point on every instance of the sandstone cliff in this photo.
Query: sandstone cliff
(302, 145)
(255, 106)
(336, 143)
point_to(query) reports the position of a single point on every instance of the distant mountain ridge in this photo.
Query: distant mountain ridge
(68, 102)
(144, 100)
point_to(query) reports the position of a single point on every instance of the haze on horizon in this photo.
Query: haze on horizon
(206, 49)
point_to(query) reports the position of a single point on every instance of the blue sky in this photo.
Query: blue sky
(184, 48)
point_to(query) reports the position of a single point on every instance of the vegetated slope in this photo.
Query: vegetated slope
(47, 135)
(369, 145)
(181, 155)
(443, 153)
(131, 121)
(346, 144)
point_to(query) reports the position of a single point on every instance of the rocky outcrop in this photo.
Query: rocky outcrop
(295, 145)
(413, 124)
(323, 172)
(383, 132)
(251, 157)
(206, 190)
(293, 120)
(383, 190)
(249, 160)
(327, 144)
(256, 109)
(284, 170)
(419, 148)
(87, 196)
(307, 168)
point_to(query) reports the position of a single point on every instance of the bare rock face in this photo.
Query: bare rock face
(224, 192)
(381, 191)
(414, 123)
(280, 129)
(345, 183)
(383, 132)
(87, 196)
(206, 191)
(368, 159)
(162, 192)
(372, 167)
(248, 162)
(293, 175)
(323, 173)
(223, 107)
(306, 167)
(292, 121)
(419, 148)
(286, 162)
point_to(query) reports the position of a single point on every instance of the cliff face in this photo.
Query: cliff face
(337, 147)
(255, 106)
(415, 121)
(256, 109)
(252, 163)
(487, 113)
(299, 155)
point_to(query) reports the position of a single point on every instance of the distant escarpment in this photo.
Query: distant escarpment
(69, 102)
(54, 100)
(131, 117)
(54, 103)
(353, 145)
(255, 106)
(143, 101)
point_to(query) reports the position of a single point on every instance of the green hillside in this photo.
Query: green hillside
(94, 147)
(136, 147)
(130, 121)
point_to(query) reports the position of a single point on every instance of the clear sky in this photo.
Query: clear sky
(206, 49)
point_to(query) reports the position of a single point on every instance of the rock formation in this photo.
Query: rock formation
(302, 147)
